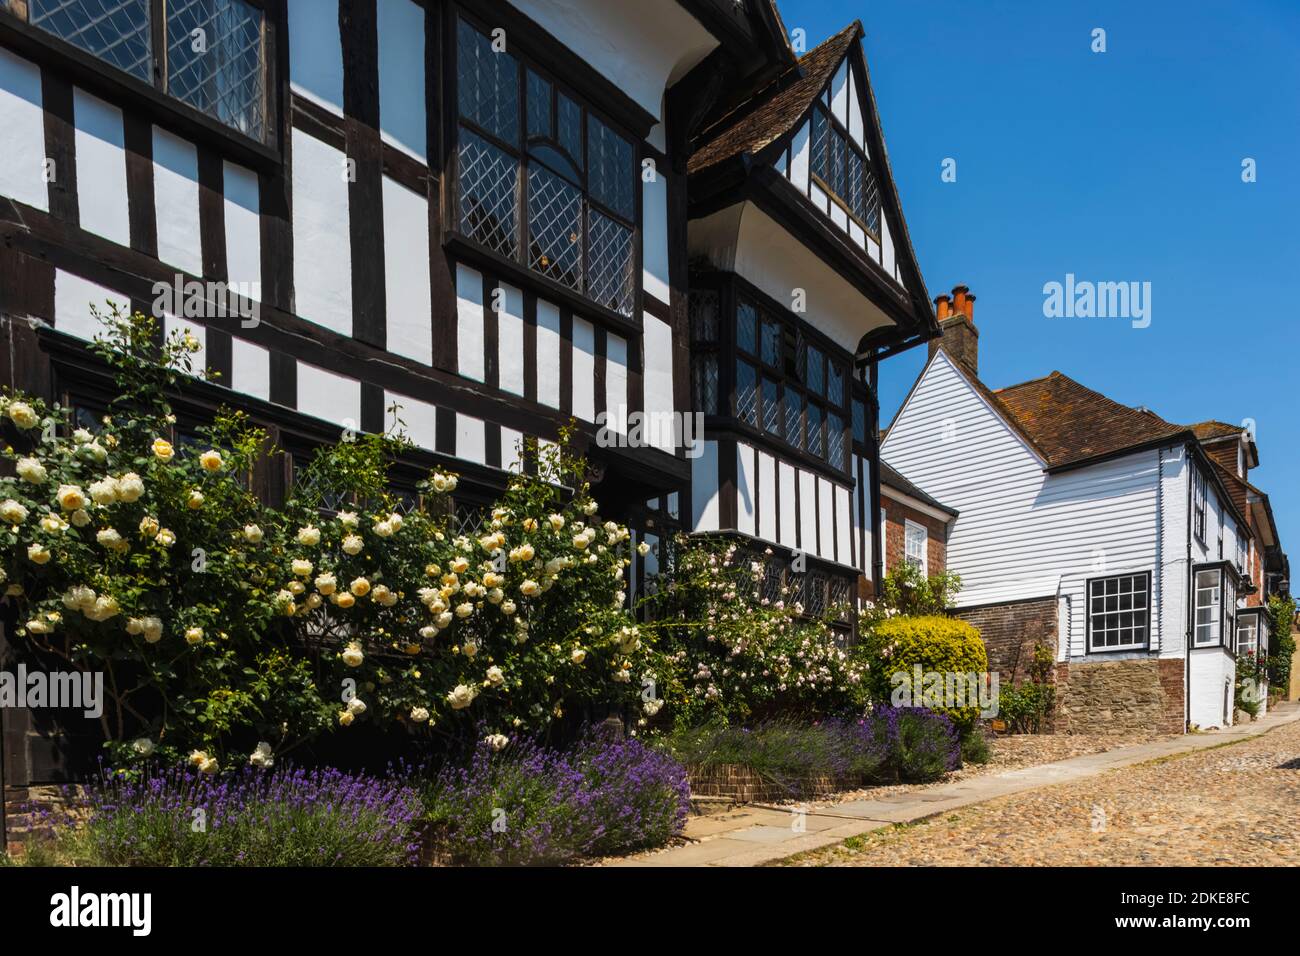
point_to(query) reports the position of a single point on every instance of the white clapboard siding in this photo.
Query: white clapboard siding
(1022, 533)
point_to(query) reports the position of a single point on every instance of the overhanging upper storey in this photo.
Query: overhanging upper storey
(793, 190)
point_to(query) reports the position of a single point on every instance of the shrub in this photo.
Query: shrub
(925, 744)
(1281, 612)
(936, 644)
(280, 817)
(735, 656)
(790, 754)
(975, 747)
(531, 805)
(906, 591)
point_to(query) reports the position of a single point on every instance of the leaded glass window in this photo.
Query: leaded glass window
(842, 169)
(574, 173)
(215, 52)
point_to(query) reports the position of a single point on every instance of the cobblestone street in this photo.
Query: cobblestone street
(1233, 805)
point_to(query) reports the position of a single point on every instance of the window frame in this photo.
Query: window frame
(107, 80)
(835, 128)
(910, 526)
(1229, 587)
(731, 291)
(1200, 503)
(518, 263)
(1088, 597)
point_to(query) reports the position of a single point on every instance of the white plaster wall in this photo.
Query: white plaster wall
(322, 255)
(22, 175)
(176, 201)
(407, 295)
(101, 168)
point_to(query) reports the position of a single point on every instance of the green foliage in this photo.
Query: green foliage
(1251, 671)
(905, 590)
(936, 644)
(1281, 612)
(731, 656)
(1026, 705)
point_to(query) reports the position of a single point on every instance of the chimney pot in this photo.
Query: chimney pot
(959, 298)
(970, 307)
(942, 306)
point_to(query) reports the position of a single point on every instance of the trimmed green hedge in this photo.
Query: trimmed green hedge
(938, 644)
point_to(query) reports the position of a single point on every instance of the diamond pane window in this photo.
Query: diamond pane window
(746, 317)
(771, 408)
(704, 381)
(610, 281)
(554, 226)
(835, 440)
(487, 194)
(611, 174)
(816, 372)
(116, 31)
(834, 384)
(793, 418)
(772, 336)
(815, 446)
(820, 140)
(214, 61)
(746, 393)
(859, 422)
(704, 316)
(488, 84)
(539, 105)
(843, 169)
(570, 128)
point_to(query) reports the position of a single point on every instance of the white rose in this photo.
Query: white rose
(38, 554)
(80, 517)
(419, 715)
(111, 539)
(529, 587)
(262, 756)
(149, 526)
(143, 746)
(71, 497)
(13, 511)
(309, 536)
(352, 655)
(357, 706)
(193, 635)
(130, 487)
(21, 414)
(464, 610)
(166, 537)
(495, 677)
(253, 534)
(578, 655)
(469, 649)
(352, 544)
(497, 742)
(211, 460)
(151, 628)
(29, 469)
(347, 518)
(301, 567)
(460, 697)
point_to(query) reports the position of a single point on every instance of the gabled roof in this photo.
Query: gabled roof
(768, 115)
(1070, 423)
(894, 479)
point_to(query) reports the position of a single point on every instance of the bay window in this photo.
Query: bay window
(1215, 602)
(213, 55)
(1119, 610)
(542, 180)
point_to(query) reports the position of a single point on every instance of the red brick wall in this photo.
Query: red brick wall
(1010, 632)
(896, 513)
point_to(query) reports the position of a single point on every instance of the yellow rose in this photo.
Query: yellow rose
(162, 449)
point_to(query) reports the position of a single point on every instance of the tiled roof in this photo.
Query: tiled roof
(1069, 423)
(896, 480)
(1209, 430)
(767, 116)
(1236, 487)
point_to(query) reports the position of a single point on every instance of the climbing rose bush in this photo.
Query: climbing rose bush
(734, 656)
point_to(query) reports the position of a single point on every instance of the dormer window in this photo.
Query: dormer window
(213, 57)
(842, 170)
(543, 181)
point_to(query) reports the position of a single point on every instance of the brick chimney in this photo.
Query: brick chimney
(960, 339)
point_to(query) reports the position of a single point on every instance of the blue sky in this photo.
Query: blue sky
(1115, 166)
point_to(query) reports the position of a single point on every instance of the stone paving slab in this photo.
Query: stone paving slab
(749, 836)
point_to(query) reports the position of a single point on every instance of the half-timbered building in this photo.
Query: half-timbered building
(495, 216)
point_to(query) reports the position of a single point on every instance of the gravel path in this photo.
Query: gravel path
(1234, 805)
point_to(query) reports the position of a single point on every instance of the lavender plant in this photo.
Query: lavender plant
(280, 817)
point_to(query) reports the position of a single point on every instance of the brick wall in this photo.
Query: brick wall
(1010, 632)
(1137, 696)
(896, 514)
